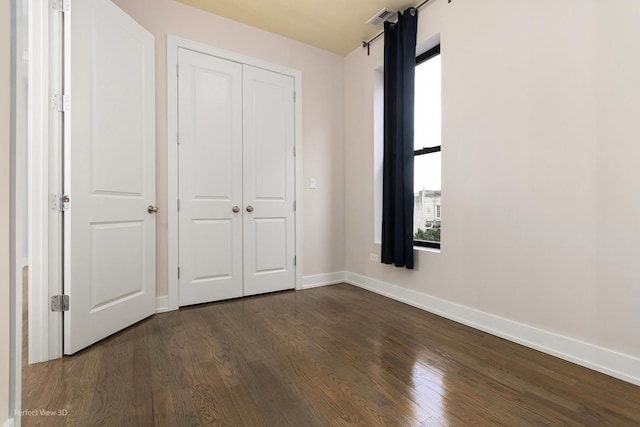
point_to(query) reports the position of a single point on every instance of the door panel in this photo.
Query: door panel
(109, 242)
(271, 245)
(268, 167)
(121, 90)
(203, 233)
(210, 178)
(116, 262)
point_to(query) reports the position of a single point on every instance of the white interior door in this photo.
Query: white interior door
(269, 186)
(210, 178)
(109, 252)
(236, 179)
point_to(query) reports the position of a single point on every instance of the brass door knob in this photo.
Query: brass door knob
(235, 209)
(249, 208)
(152, 209)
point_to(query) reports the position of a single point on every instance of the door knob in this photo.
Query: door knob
(152, 209)
(249, 208)
(235, 209)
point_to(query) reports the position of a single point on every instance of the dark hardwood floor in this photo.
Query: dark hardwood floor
(331, 356)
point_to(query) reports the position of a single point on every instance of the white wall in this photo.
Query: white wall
(322, 121)
(5, 87)
(540, 185)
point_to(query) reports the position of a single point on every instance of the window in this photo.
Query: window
(427, 185)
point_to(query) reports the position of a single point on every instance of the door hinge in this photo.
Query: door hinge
(294, 151)
(177, 70)
(178, 205)
(178, 138)
(60, 102)
(60, 5)
(294, 97)
(59, 303)
(295, 260)
(59, 202)
(294, 205)
(178, 272)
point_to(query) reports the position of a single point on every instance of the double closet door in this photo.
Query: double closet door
(236, 179)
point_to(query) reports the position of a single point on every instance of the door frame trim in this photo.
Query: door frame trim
(173, 44)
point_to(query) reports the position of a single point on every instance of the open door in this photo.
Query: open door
(109, 173)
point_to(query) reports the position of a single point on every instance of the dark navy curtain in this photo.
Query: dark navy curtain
(399, 87)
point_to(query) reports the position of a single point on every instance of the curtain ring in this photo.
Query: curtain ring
(413, 11)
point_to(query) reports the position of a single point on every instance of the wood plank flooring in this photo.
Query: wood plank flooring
(330, 356)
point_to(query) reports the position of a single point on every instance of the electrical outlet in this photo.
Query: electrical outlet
(373, 257)
(313, 183)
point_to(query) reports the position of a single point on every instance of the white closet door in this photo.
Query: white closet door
(269, 189)
(210, 178)
(109, 174)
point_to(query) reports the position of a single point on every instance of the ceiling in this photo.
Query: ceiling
(338, 26)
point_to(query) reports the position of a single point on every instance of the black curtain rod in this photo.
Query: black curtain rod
(372, 39)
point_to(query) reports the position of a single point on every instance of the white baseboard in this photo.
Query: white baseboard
(162, 304)
(9, 423)
(323, 279)
(615, 364)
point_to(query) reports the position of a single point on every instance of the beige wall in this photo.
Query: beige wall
(617, 175)
(540, 111)
(322, 121)
(4, 208)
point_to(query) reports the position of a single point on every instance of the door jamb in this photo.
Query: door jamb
(173, 44)
(44, 165)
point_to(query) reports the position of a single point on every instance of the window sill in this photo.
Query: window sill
(426, 249)
(420, 248)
